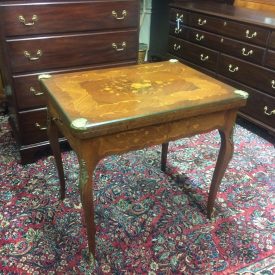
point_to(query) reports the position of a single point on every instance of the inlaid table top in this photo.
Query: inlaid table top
(113, 111)
(109, 100)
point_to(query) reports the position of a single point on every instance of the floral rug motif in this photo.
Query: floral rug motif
(148, 222)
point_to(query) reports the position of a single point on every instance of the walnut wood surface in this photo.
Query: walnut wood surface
(243, 41)
(136, 96)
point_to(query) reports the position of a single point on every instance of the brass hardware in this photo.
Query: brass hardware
(176, 47)
(243, 94)
(32, 58)
(44, 76)
(204, 58)
(231, 69)
(199, 37)
(80, 123)
(179, 17)
(246, 53)
(273, 84)
(36, 93)
(177, 31)
(23, 20)
(124, 14)
(123, 46)
(222, 40)
(37, 125)
(225, 23)
(247, 34)
(201, 22)
(268, 113)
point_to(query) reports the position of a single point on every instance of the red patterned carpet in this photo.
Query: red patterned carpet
(148, 222)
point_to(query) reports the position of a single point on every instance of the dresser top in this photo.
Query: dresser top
(263, 18)
(136, 95)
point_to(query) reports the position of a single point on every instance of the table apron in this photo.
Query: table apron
(125, 141)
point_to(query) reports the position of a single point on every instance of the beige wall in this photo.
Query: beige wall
(267, 5)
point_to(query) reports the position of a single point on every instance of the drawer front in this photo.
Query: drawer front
(245, 51)
(249, 74)
(196, 54)
(270, 59)
(28, 93)
(260, 106)
(182, 32)
(205, 39)
(243, 32)
(33, 126)
(178, 16)
(272, 40)
(69, 17)
(208, 23)
(57, 52)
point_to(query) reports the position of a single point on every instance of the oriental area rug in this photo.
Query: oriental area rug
(148, 222)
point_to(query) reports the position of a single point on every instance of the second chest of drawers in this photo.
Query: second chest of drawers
(232, 44)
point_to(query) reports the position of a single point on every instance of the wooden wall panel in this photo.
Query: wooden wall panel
(265, 5)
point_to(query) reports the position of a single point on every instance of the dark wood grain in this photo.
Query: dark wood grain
(229, 28)
(256, 105)
(199, 55)
(30, 133)
(204, 38)
(261, 79)
(57, 51)
(260, 18)
(270, 60)
(248, 52)
(69, 16)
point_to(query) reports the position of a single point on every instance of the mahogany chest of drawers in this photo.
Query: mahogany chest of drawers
(54, 37)
(235, 45)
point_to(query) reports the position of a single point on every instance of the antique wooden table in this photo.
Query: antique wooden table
(112, 111)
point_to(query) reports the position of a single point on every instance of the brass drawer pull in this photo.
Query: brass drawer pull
(34, 92)
(23, 20)
(177, 31)
(32, 58)
(246, 53)
(37, 125)
(247, 34)
(268, 113)
(177, 47)
(201, 22)
(231, 69)
(273, 84)
(123, 46)
(204, 58)
(199, 37)
(124, 14)
(179, 17)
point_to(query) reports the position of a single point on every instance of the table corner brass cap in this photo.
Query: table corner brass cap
(44, 76)
(173, 60)
(79, 123)
(242, 93)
